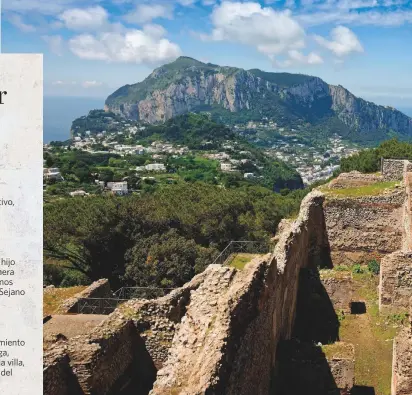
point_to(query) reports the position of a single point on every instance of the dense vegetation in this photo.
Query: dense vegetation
(158, 239)
(369, 160)
(96, 121)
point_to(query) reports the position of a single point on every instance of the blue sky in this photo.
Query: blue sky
(92, 47)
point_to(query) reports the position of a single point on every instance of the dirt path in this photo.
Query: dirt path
(372, 338)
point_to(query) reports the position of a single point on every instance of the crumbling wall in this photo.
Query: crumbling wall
(102, 358)
(227, 341)
(354, 179)
(395, 285)
(58, 376)
(124, 350)
(394, 169)
(363, 228)
(98, 289)
(156, 320)
(402, 360)
(407, 214)
(339, 288)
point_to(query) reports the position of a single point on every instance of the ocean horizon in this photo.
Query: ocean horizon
(60, 112)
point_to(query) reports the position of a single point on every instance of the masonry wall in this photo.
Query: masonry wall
(227, 342)
(58, 376)
(394, 169)
(124, 351)
(402, 360)
(339, 288)
(407, 214)
(395, 285)
(362, 228)
(98, 289)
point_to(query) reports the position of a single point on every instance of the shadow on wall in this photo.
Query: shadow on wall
(316, 319)
(139, 378)
(303, 369)
(362, 390)
(302, 366)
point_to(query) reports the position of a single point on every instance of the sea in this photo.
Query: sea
(59, 112)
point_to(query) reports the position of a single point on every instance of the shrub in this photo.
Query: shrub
(374, 267)
(357, 269)
(341, 268)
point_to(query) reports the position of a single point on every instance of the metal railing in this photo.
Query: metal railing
(98, 305)
(128, 293)
(239, 247)
(108, 305)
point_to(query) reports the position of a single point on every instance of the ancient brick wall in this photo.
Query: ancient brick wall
(395, 285)
(339, 288)
(130, 345)
(402, 360)
(394, 169)
(362, 228)
(98, 289)
(58, 376)
(407, 214)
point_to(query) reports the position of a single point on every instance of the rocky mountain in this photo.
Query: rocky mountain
(237, 95)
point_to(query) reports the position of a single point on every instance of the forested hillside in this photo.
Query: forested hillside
(158, 239)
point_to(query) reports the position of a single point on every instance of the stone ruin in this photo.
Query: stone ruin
(243, 332)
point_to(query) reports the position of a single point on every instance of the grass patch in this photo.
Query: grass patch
(239, 260)
(54, 297)
(338, 350)
(342, 273)
(366, 190)
(371, 334)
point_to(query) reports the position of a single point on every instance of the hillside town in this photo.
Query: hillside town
(313, 164)
(144, 161)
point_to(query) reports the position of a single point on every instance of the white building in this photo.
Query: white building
(78, 193)
(226, 167)
(155, 167)
(118, 188)
(248, 175)
(52, 173)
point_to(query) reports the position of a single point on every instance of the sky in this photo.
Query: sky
(92, 47)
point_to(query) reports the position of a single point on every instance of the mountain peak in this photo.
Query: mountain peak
(184, 62)
(234, 95)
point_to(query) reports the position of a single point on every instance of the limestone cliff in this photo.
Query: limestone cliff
(189, 85)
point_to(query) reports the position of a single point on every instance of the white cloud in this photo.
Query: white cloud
(17, 21)
(45, 7)
(147, 46)
(297, 58)
(92, 84)
(352, 12)
(85, 19)
(64, 83)
(269, 31)
(350, 4)
(343, 41)
(147, 12)
(55, 44)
